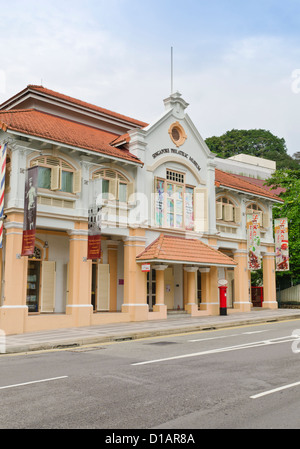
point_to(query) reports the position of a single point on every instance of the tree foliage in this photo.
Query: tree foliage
(290, 181)
(254, 142)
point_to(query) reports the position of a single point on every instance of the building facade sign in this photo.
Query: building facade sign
(173, 151)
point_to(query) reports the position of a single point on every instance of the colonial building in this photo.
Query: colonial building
(173, 219)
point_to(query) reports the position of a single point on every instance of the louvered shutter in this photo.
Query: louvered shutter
(103, 288)
(130, 192)
(55, 178)
(219, 209)
(237, 215)
(77, 181)
(48, 287)
(200, 209)
(266, 220)
(113, 189)
(228, 212)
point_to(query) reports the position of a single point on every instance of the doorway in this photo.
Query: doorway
(169, 288)
(33, 285)
(151, 288)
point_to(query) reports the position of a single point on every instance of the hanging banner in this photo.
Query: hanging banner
(30, 204)
(253, 241)
(3, 151)
(281, 244)
(94, 233)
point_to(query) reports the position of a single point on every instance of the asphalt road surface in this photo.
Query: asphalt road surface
(243, 377)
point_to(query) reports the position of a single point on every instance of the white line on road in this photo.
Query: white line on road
(265, 393)
(228, 348)
(33, 382)
(226, 336)
(213, 338)
(254, 332)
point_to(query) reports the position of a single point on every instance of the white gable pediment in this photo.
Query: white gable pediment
(172, 137)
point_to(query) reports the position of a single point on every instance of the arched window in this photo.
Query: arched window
(226, 210)
(174, 201)
(115, 185)
(254, 208)
(56, 174)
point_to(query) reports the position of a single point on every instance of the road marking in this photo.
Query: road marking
(33, 382)
(254, 332)
(225, 349)
(265, 393)
(227, 336)
(213, 338)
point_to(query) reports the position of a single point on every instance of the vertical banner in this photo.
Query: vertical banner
(94, 232)
(253, 242)
(2, 187)
(30, 204)
(159, 202)
(282, 244)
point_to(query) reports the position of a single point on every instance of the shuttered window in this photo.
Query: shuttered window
(57, 175)
(264, 218)
(227, 211)
(115, 186)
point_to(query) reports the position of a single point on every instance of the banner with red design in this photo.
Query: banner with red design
(282, 244)
(253, 240)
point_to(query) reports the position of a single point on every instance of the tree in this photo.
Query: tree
(290, 181)
(254, 142)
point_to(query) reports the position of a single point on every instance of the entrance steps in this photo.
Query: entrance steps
(177, 314)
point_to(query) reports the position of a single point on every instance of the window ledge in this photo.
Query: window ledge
(56, 193)
(230, 224)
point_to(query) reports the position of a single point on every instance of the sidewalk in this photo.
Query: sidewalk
(176, 323)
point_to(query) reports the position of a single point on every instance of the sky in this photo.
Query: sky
(236, 63)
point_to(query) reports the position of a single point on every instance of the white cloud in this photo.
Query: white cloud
(235, 83)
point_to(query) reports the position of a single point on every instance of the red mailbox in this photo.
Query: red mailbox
(223, 299)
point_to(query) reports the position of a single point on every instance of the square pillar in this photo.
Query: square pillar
(135, 281)
(209, 290)
(160, 305)
(79, 278)
(112, 257)
(14, 311)
(191, 306)
(242, 284)
(269, 281)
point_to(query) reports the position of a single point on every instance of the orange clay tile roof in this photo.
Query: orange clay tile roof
(47, 126)
(235, 182)
(181, 250)
(48, 92)
(261, 183)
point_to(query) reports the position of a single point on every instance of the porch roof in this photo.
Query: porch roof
(170, 249)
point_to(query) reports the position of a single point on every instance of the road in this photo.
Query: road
(243, 377)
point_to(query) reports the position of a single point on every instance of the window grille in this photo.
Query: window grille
(175, 176)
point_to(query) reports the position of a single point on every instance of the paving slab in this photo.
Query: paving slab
(175, 323)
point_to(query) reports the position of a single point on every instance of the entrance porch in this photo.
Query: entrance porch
(183, 275)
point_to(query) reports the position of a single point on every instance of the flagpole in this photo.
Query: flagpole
(171, 70)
